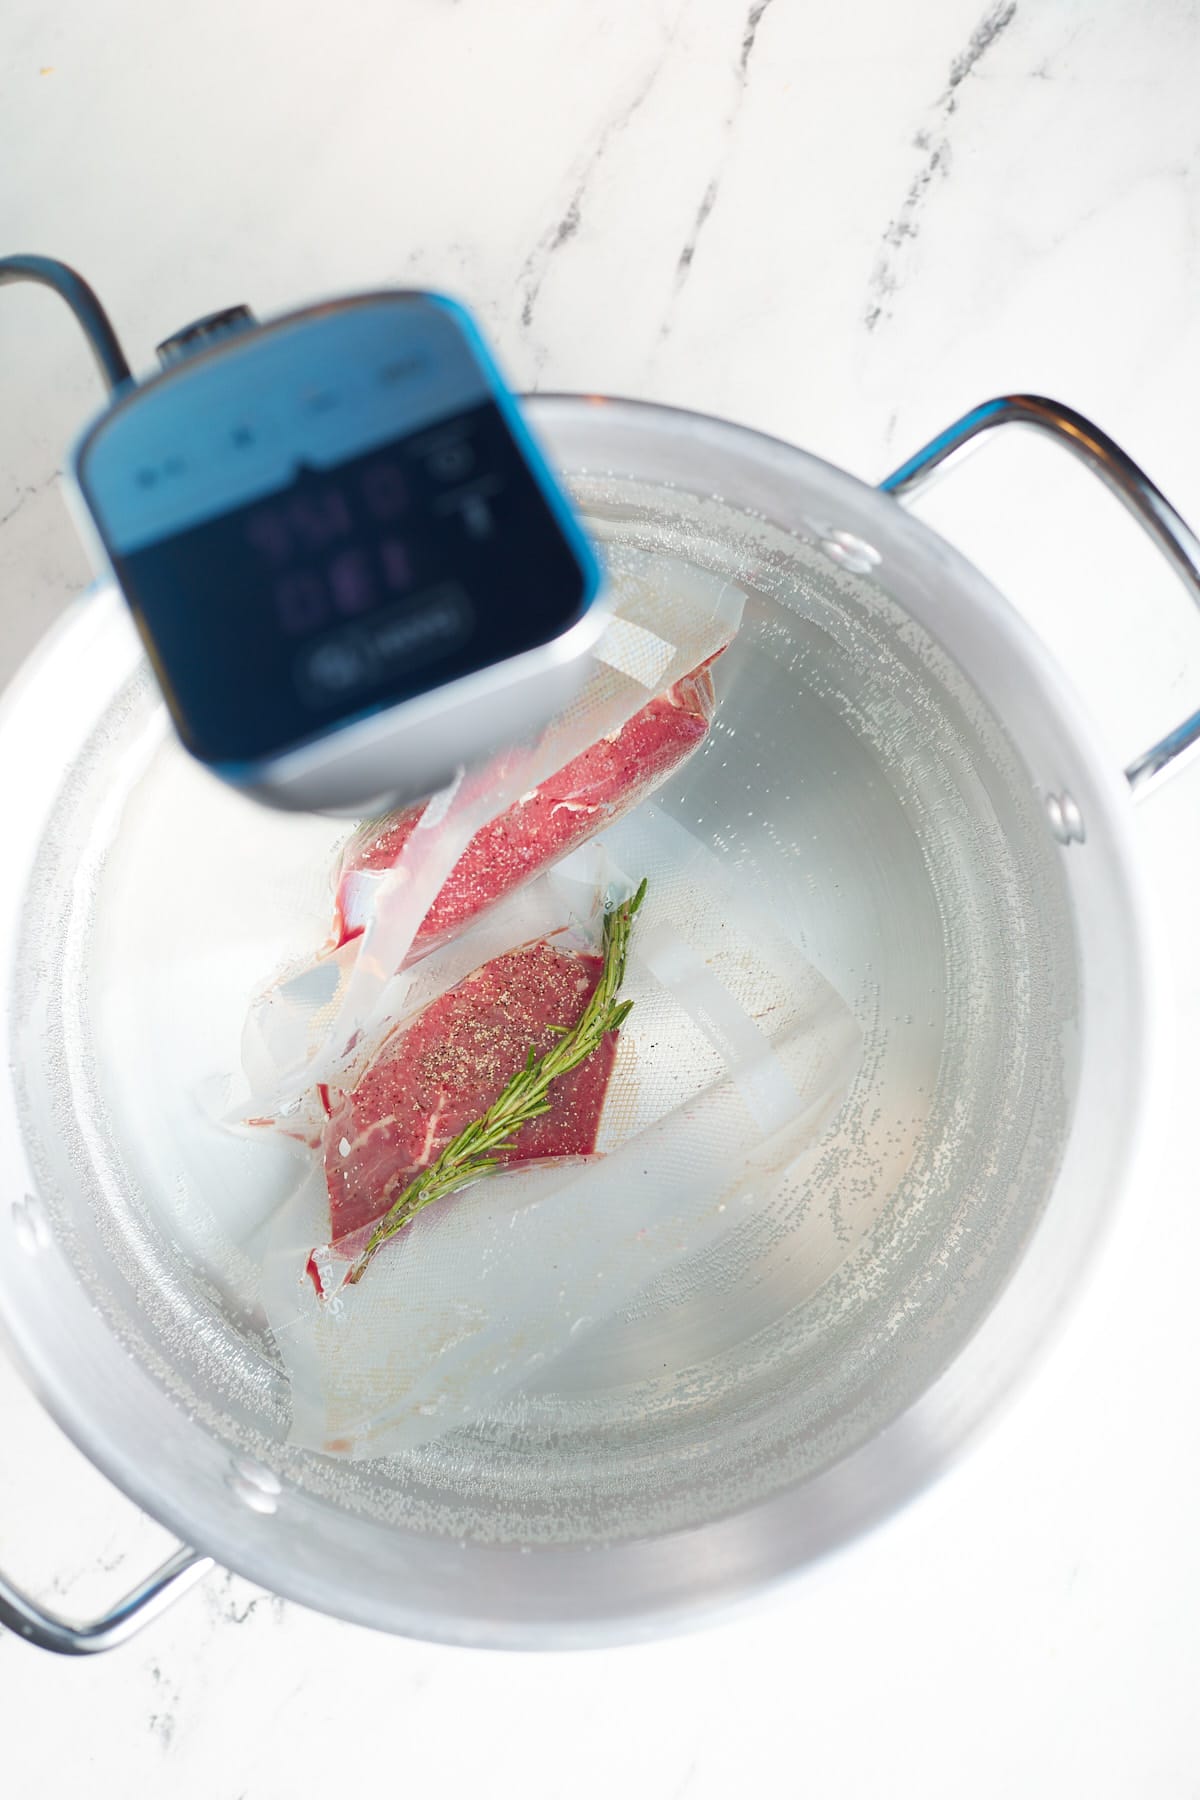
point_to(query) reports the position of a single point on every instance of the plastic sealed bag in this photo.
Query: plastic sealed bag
(442, 1069)
(407, 883)
(729, 1070)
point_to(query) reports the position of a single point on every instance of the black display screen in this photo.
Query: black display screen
(353, 588)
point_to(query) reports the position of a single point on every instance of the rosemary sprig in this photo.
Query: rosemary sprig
(473, 1152)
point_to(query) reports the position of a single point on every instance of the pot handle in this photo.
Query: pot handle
(1120, 475)
(145, 1603)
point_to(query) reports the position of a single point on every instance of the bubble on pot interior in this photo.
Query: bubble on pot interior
(257, 1487)
(1066, 820)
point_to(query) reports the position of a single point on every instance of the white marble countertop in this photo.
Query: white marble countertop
(844, 225)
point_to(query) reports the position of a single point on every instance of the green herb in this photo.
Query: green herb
(473, 1152)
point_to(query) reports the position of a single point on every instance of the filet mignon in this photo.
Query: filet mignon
(444, 1068)
(597, 787)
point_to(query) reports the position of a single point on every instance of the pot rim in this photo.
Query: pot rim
(570, 1597)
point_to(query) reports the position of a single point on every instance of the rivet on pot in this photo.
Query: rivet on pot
(29, 1224)
(850, 552)
(1066, 820)
(255, 1487)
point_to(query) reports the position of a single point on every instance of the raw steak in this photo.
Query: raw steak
(445, 1068)
(588, 793)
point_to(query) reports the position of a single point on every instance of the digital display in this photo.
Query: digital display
(352, 587)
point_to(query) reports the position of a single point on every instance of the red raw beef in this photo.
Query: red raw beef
(588, 793)
(444, 1069)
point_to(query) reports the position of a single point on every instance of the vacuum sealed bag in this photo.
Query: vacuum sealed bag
(428, 1265)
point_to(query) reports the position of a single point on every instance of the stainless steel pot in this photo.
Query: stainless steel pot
(900, 767)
